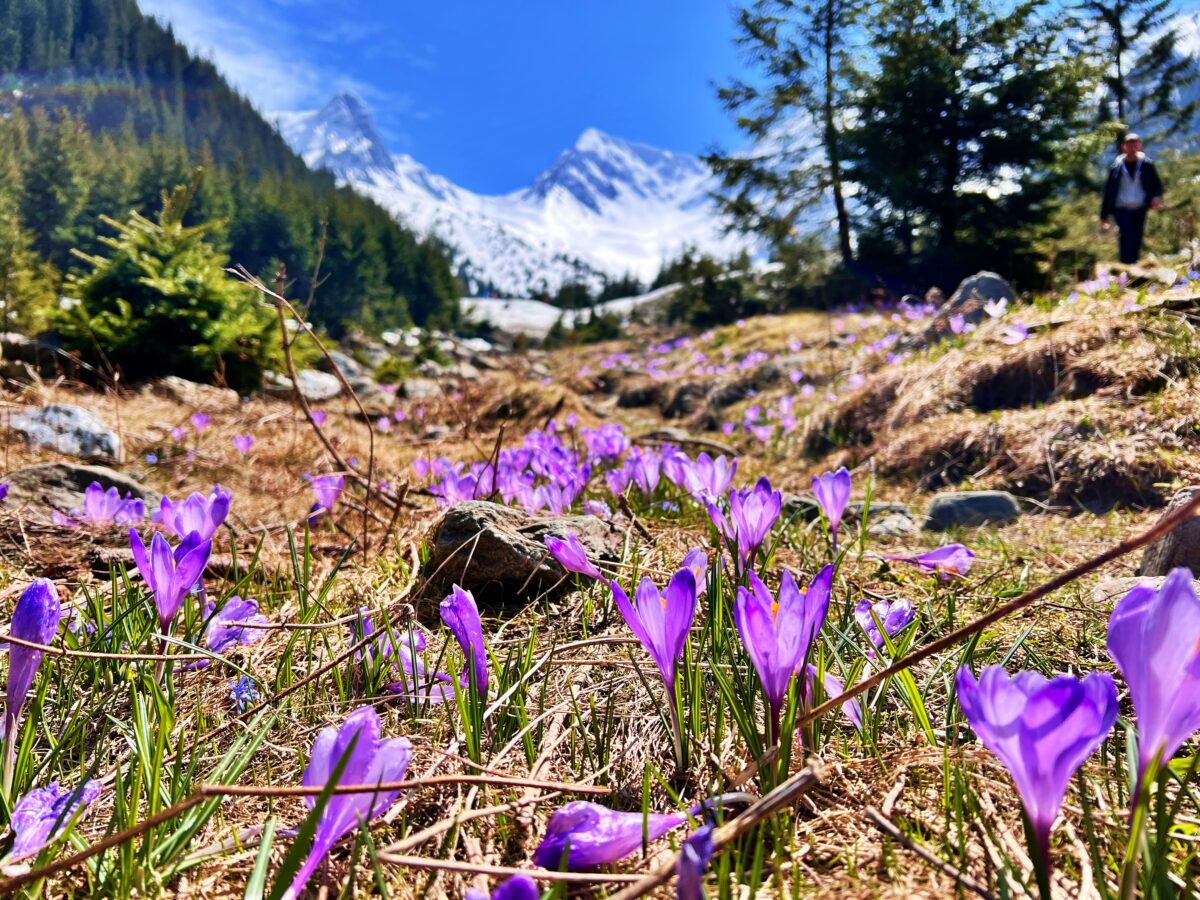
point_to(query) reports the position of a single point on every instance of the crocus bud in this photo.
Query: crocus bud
(35, 619)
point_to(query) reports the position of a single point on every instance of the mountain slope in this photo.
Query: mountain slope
(605, 207)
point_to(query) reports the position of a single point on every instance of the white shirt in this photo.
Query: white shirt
(1130, 193)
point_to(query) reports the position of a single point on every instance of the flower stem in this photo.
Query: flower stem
(161, 665)
(10, 753)
(680, 757)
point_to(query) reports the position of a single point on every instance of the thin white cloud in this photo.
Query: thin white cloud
(261, 56)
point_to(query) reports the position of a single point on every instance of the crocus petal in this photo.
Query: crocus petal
(41, 815)
(35, 619)
(368, 761)
(1042, 729)
(583, 835)
(571, 556)
(461, 615)
(1153, 637)
(693, 861)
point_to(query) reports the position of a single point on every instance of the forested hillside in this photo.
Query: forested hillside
(101, 109)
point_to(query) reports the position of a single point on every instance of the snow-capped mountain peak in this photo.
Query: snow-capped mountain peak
(605, 207)
(600, 167)
(340, 137)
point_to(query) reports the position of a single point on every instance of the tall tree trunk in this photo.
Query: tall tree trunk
(832, 142)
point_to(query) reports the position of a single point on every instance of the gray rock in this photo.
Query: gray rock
(432, 369)
(892, 525)
(422, 389)
(968, 301)
(189, 393)
(1179, 548)
(317, 387)
(971, 508)
(68, 429)
(463, 370)
(498, 552)
(348, 365)
(35, 491)
(1107, 593)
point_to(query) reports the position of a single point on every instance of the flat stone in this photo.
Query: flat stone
(971, 508)
(1179, 548)
(498, 552)
(422, 389)
(68, 429)
(892, 525)
(190, 393)
(316, 387)
(36, 491)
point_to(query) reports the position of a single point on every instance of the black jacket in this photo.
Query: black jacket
(1151, 184)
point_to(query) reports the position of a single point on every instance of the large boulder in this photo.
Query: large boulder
(36, 491)
(1179, 548)
(971, 508)
(69, 430)
(968, 301)
(498, 552)
(189, 393)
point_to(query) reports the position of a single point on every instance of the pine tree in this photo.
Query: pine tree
(1145, 69)
(793, 118)
(959, 125)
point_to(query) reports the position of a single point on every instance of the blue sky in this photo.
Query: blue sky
(484, 92)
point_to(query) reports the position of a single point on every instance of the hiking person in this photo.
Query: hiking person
(1133, 188)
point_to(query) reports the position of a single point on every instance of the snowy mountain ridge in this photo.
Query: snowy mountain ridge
(605, 207)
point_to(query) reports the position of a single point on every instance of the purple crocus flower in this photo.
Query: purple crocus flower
(43, 814)
(662, 622)
(697, 850)
(200, 422)
(583, 835)
(752, 513)
(834, 688)
(832, 491)
(461, 615)
(416, 683)
(35, 619)
(178, 433)
(952, 559)
(103, 508)
(369, 761)
(697, 561)
(168, 578)
(571, 556)
(234, 624)
(1152, 636)
(894, 614)
(519, 887)
(242, 443)
(1015, 333)
(327, 489)
(957, 324)
(318, 417)
(778, 633)
(1042, 729)
(3, 491)
(198, 513)
(707, 478)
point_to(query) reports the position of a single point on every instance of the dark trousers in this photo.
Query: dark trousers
(1131, 224)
